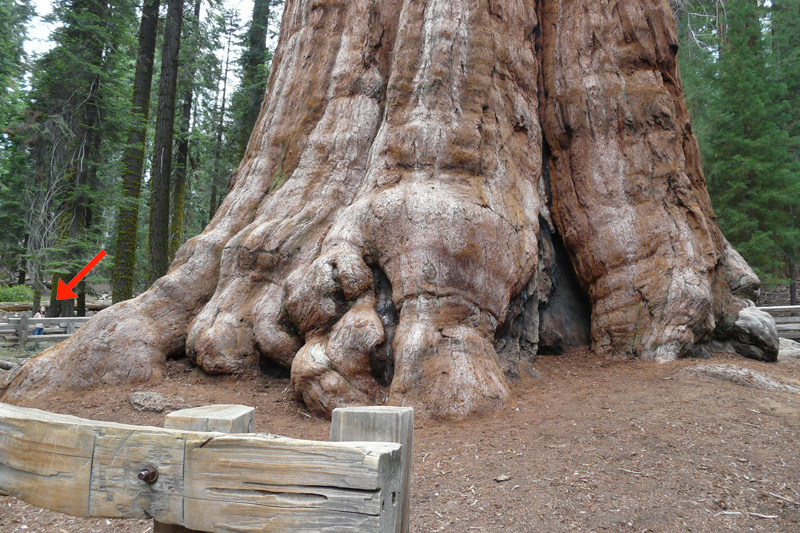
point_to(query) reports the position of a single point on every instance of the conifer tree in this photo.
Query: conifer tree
(13, 168)
(222, 143)
(158, 233)
(178, 197)
(73, 126)
(786, 51)
(246, 102)
(125, 256)
(749, 162)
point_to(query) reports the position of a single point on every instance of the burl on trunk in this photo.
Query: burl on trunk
(435, 191)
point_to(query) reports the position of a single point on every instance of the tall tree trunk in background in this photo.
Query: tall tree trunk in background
(177, 204)
(37, 299)
(77, 205)
(125, 255)
(158, 229)
(254, 69)
(83, 212)
(216, 178)
(21, 272)
(59, 307)
(786, 47)
(80, 290)
(435, 191)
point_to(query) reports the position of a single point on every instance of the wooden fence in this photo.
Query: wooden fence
(18, 307)
(192, 476)
(19, 330)
(787, 320)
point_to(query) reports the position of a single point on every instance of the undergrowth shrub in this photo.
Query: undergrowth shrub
(15, 293)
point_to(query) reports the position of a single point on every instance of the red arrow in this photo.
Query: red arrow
(65, 291)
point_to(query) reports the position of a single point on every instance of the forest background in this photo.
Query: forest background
(123, 133)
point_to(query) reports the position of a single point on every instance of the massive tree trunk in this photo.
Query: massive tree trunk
(431, 184)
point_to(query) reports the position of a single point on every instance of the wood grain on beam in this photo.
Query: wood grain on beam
(207, 481)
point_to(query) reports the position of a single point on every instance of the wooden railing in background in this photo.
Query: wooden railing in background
(19, 330)
(787, 320)
(18, 307)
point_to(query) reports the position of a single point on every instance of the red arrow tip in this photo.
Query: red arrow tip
(64, 292)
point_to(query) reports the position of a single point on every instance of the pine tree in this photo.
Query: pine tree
(178, 198)
(202, 55)
(786, 52)
(748, 159)
(246, 102)
(699, 47)
(14, 16)
(125, 252)
(158, 233)
(73, 134)
(13, 161)
(222, 143)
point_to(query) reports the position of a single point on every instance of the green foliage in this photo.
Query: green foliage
(15, 293)
(64, 119)
(75, 118)
(14, 15)
(738, 65)
(214, 151)
(13, 157)
(254, 63)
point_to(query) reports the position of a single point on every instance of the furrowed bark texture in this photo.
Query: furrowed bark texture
(628, 191)
(396, 224)
(127, 221)
(161, 170)
(178, 197)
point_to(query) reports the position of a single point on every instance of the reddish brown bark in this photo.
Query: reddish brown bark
(161, 170)
(397, 219)
(628, 191)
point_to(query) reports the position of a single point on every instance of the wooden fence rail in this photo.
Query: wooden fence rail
(207, 480)
(787, 320)
(19, 330)
(17, 307)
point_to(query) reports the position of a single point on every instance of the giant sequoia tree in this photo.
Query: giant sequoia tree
(433, 192)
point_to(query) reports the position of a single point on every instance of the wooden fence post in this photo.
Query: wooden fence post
(380, 424)
(23, 330)
(221, 418)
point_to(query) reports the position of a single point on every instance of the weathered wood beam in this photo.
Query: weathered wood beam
(221, 418)
(380, 424)
(16, 307)
(781, 309)
(78, 320)
(22, 331)
(206, 481)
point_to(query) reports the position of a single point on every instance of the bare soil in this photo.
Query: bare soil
(592, 445)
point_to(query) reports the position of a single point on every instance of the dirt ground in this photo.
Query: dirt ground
(592, 445)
